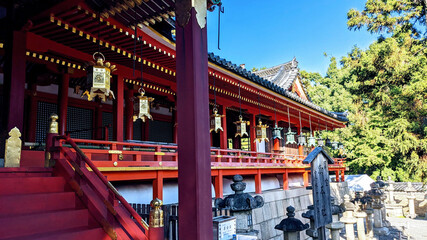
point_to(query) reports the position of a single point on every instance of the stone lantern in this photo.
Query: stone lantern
(240, 205)
(291, 226)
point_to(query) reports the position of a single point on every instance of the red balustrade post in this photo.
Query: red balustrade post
(258, 189)
(337, 176)
(118, 105)
(194, 165)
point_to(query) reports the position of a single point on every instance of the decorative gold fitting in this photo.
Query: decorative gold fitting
(156, 214)
(53, 124)
(12, 156)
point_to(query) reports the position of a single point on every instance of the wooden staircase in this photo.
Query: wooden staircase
(34, 204)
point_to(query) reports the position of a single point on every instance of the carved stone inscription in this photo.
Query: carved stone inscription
(321, 191)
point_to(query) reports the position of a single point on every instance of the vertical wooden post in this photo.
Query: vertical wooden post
(276, 145)
(285, 180)
(253, 133)
(32, 118)
(129, 113)
(305, 177)
(342, 176)
(223, 135)
(98, 121)
(300, 147)
(337, 176)
(118, 109)
(175, 125)
(219, 192)
(158, 185)
(194, 165)
(258, 188)
(14, 80)
(63, 102)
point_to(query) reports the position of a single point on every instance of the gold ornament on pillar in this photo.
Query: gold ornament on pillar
(241, 127)
(216, 121)
(261, 132)
(99, 78)
(142, 106)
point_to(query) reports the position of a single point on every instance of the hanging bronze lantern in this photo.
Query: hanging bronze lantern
(311, 141)
(216, 121)
(277, 132)
(99, 78)
(320, 142)
(301, 140)
(290, 137)
(261, 132)
(241, 127)
(142, 106)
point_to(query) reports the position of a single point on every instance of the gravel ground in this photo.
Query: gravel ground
(407, 228)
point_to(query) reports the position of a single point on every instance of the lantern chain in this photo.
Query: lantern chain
(275, 114)
(214, 88)
(289, 120)
(311, 132)
(300, 125)
(259, 106)
(220, 10)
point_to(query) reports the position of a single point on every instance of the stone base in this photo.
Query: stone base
(247, 236)
(394, 210)
(381, 231)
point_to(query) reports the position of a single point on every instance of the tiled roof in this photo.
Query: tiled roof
(401, 186)
(271, 85)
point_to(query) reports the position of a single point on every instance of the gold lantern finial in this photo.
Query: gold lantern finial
(99, 78)
(261, 132)
(241, 127)
(142, 106)
(156, 214)
(216, 121)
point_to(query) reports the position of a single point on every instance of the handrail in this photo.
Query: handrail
(127, 206)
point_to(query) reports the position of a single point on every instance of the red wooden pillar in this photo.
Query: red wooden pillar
(63, 102)
(129, 113)
(258, 188)
(285, 180)
(219, 192)
(194, 167)
(342, 176)
(253, 132)
(32, 118)
(223, 135)
(118, 109)
(158, 186)
(175, 126)
(98, 120)
(337, 175)
(14, 79)
(305, 177)
(276, 145)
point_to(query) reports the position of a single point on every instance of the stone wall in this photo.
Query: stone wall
(274, 209)
(400, 198)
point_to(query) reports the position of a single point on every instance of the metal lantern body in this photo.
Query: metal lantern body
(290, 137)
(320, 142)
(328, 142)
(311, 141)
(301, 140)
(277, 132)
(216, 121)
(99, 78)
(261, 132)
(142, 107)
(241, 127)
(335, 145)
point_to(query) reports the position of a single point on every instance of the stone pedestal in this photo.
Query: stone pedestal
(369, 225)
(360, 216)
(411, 204)
(243, 221)
(378, 220)
(335, 228)
(349, 227)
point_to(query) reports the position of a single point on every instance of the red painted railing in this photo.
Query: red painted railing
(126, 154)
(104, 202)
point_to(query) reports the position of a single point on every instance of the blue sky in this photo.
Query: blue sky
(271, 32)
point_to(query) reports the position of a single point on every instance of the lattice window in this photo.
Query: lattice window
(107, 118)
(161, 131)
(44, 110)
(79, 119)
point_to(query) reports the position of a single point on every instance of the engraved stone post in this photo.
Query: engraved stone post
(348, 218)
(360, 216)
(410, 190)
(12, 157)
(369, 211)
(390, 189)
(291, 226)
(336, 226)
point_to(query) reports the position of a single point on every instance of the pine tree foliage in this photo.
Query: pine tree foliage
(384, 88)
